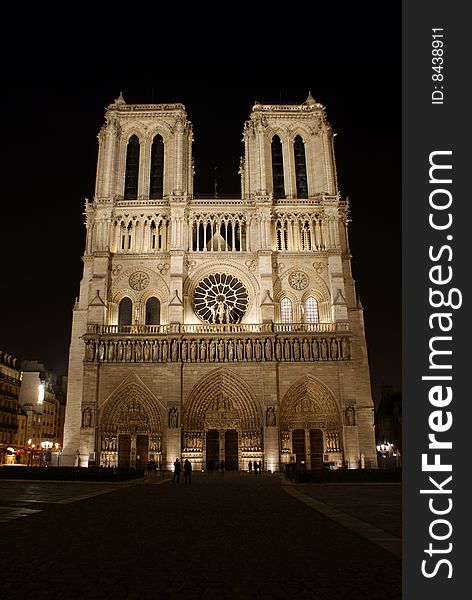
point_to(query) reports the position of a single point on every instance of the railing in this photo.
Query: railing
(218, 328)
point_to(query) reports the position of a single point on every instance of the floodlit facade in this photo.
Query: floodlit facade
(218, 329)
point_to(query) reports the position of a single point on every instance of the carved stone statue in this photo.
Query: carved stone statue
(230, 350)
(173, 417)
(258, 350)
(240, 350)
(90, 350)
(203, 351)
(278, 350)
(296, 350)
(221, 351)
(249, 350)
(287, 349)
(334, 349)
(175, 350)
(350, 415)
(306, 350)
(270, 417)
(184, 351)
(165, 351)
(87, 417)
(268, 349)
(220, 311)
(193, 351)
(119, 351)
(212, 351)
(324, 349)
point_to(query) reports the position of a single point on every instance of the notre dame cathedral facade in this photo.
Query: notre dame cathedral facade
(218, 329)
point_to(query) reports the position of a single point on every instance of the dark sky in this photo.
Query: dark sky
(54, 106)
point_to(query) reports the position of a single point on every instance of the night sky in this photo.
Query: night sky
(54, 106)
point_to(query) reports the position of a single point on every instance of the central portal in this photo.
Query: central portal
(212, 449)
(222, 445)
(231, 450)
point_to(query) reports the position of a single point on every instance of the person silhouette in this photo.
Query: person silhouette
(255, 467)
(250, 467)
(187, 471)
(177, 469)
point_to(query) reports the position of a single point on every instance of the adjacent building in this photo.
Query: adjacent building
(10, 382)
(218, 329)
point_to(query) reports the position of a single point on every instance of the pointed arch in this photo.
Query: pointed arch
(277, 167)
(132, 168)
(240, 398)
(156, 184)
(300, 167)
(131, 408)
(311, 310)
(153, 311)
(310, 403)
(286, 310)
(125, 311)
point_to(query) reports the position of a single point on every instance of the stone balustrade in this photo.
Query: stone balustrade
(217, 328)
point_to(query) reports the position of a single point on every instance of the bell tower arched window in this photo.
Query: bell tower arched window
(153, 311)
(300, 168)
(125, 312)
(132, 169)
(286, 312)
(157, 168)
(277, 168)
(311, 310)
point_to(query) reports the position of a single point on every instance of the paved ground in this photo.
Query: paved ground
(223, 536)
(378, 504)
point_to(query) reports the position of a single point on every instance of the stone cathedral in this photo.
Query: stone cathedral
(215, 328)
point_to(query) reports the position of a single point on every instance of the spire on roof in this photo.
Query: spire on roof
(120, 99)
(310, 100)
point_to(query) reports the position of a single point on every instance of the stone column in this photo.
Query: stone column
(271, 449)
(132, 454)
(221, 433)
(173, 448)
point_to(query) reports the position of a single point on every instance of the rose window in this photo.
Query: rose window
(220, 298)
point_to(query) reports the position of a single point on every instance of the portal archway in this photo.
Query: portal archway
(310, 424)
(130, 427)
(222, 422)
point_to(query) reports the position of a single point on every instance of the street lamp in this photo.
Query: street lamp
(46, 447)
(58, 449)
(384, 449)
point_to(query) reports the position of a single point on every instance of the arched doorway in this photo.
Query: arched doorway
(310, 425)
(222, 423)
(130, 428)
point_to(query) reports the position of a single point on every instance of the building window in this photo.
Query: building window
(132, 169)
(300, 168)
(125, 312)
(277, 168)
(157, 168)
(286, 313)
(305, 235)
(311, 310)
(282, 235)
(153, 311)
